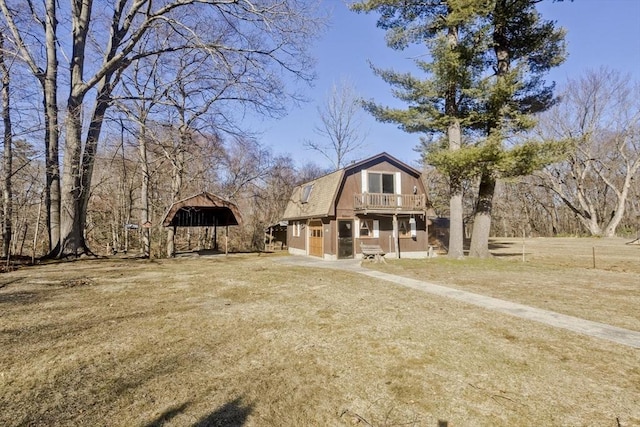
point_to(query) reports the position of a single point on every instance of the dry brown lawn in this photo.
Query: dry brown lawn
(246, 341)
(557, 274)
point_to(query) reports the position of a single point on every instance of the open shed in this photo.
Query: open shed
(202, 210)
(275, 236)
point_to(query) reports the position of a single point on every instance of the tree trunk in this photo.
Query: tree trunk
(88, 156)
(589, 219)
(77, 172)
(52, 134)
(479, 247)
(144, 191)
(456, 225)
(73, 191)
(71, 228)
(454, 134)
(7, 195)
(622, 196)
(176, 187)
(482, 218)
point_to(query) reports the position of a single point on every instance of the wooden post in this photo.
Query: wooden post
(215, 235)
(396, 231)
(593, 251)
(226, 241)
(146, 245)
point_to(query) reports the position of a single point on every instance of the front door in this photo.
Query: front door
(345, 238)
(315, 239)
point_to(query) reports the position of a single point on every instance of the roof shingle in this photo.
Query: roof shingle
(320, 202)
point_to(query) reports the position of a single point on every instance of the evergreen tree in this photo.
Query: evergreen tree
(484, 83)
(524, 48)
(441, 106)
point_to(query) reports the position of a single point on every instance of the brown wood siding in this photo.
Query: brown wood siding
(353, 185)
(330, 233)
(296, 242)
(387, 241)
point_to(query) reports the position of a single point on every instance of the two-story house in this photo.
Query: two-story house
(380, 200)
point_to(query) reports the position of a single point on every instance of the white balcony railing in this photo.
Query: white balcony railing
(392, 202)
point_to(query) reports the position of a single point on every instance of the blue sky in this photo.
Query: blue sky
(599, 33)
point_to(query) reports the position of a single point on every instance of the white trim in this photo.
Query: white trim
(376, 228)
(356, 228)
(364, 175)
(296, 228)
(398, 184)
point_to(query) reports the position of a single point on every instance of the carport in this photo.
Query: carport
(202, 210)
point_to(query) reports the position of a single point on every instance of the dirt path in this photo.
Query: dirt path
(586, 327)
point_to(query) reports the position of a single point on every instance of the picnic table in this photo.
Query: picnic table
(372, 252)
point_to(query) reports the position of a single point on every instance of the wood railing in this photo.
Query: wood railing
(379, 201)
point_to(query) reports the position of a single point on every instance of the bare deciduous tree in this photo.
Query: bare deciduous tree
(31, 38)
(599, 117)
(272, 37)
(340, 125)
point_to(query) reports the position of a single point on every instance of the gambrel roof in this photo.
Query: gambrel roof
(320, 200)
(321, 193)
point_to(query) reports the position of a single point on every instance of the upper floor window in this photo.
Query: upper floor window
(306, 192)
(381, 183)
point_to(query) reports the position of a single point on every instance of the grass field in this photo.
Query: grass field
(246, 341)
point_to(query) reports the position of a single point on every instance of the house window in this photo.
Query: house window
(296, 229)
(369, 228)
(406, 228)
(381, 183)
(306, 192)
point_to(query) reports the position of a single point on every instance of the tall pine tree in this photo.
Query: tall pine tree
(441, 105)
(484, 83)
(524, 48)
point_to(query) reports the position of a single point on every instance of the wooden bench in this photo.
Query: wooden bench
(372, 252)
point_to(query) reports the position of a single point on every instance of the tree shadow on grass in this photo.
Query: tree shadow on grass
(167, 415)
(497, 245)
(500, 245)
(231, 414)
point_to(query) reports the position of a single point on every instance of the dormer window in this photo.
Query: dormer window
(306, 192)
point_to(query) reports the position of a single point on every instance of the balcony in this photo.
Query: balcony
(379, 202)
